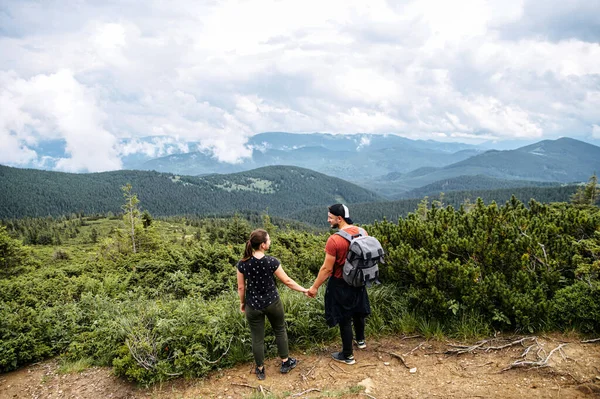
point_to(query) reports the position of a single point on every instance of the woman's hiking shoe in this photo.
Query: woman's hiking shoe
(339, 357)
(288, 365)
(260, 373)
(361, 344)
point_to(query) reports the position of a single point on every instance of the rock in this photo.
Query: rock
(413, 370)
(589, 389)
(386, 363)
(368, 384)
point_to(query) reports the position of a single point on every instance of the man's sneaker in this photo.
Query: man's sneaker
(260, 373)
(288, 365)
(361, 344)
(339, 357)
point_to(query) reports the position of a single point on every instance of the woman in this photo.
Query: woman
(259, 298)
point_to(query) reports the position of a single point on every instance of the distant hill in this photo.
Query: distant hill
(471, 183)
(367, 213)
(354, 158)
(281, 190)
(563, 160)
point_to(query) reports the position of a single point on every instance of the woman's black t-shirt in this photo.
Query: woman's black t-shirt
(260, 283)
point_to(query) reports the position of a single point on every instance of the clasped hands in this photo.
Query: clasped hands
(311, 292)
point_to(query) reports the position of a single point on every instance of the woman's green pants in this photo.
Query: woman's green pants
(256, 320)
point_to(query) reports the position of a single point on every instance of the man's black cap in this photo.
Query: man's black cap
(341, 210)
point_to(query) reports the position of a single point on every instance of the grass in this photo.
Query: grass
(431, 329)
(470, 326)
(77, 366)
(353, 390)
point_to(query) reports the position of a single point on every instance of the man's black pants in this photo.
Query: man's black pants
(346, 332)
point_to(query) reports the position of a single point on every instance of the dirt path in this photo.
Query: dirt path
(574, 373)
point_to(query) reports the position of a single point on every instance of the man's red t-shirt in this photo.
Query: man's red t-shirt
(338, 246)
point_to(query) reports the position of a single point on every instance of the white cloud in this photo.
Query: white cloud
(505, 120)
(57, 106)
(364, 142)
(216, 73)
(14, 151)
(156, 147)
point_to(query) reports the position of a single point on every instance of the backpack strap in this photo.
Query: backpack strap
(345, 234)
(350, 237)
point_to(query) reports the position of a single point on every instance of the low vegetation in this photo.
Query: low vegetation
(168, 307)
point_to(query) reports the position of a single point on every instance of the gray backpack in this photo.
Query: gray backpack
(364, 255)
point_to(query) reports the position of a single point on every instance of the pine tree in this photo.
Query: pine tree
(94, 235)
(132, 212)
(591, 190)
(146, 219)
(12, 254)
(422, 208)
(588, 194)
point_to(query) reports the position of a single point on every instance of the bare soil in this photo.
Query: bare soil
(429, 371)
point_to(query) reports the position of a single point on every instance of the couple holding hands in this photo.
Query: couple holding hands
(344, 305)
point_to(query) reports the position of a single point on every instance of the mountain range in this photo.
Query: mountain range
(393, 166)
(286, 192)
(369, 168)
(564, 160)
(351, 157)
(277, 190)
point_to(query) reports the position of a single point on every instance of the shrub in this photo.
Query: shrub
(577, 306)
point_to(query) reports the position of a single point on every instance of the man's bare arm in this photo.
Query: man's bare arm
(324, 274)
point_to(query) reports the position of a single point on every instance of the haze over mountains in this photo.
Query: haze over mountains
(351, 157)
(393, 166)
(564, 160)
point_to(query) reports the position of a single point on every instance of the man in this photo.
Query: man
(344, 304)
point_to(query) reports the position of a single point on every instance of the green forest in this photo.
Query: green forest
(280, 189)
(155, 297)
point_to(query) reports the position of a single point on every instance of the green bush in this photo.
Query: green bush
(172, 308)
(505, 264)
(577, 306)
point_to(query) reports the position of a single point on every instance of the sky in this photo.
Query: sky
(99, 76)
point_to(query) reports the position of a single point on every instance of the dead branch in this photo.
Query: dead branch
(589, 341)
(333, 366)
(519, 341)
(534, 364)
(259, 388)
(411, 337)
(480, 345)
(305, 376)
(220, 357)
(414, 349)
(465, 348)
(305, 392)
(545, 255)
(526, 351)
(399, 357)
(244, 385)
